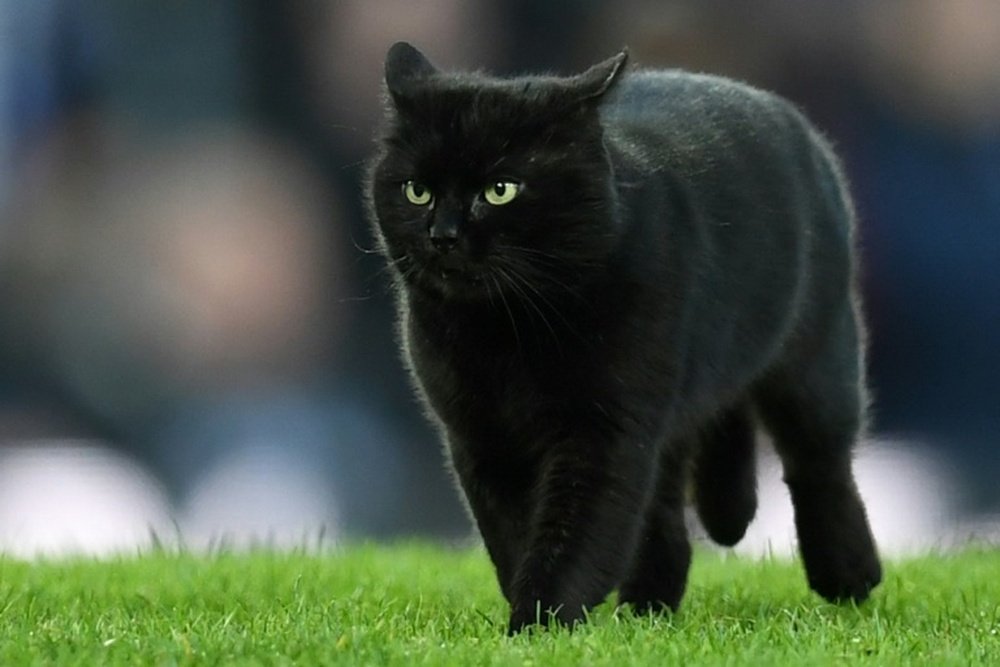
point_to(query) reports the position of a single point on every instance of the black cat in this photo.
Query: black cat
(604, 283)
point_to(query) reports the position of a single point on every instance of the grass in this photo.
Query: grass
(414, 604)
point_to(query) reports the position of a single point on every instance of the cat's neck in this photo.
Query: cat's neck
(542, 325)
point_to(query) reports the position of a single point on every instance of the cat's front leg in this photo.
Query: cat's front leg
(496, 492)
(584, 529)
(501, 523)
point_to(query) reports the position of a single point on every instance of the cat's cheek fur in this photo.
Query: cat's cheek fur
(680, 272)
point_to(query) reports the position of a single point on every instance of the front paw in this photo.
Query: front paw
(525, 616)
(645, 604)
(845, 580)
(539, 615)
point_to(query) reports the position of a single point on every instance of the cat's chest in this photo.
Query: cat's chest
(483, 385)
(462, 373)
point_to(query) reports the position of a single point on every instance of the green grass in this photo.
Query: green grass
(416, 604)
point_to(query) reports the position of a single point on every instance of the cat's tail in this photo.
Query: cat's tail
(725, 477)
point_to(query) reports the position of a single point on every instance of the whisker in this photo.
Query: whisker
(519, 285)
(360, 248)
(532, 278)
(536, 276)
(533, 262)
(533, 251)
(510, 313)
(396, 269)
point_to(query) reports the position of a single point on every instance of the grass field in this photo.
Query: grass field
(416, 604)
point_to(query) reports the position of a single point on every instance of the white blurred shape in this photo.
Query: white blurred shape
(60, 498)
(910, 498)
(259, 496)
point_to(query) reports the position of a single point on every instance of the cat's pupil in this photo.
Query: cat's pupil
(500, 188)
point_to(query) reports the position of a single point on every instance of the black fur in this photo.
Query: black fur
(678, 261)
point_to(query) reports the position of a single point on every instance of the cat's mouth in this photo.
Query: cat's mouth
(452, 281)
(459, 276)
(458, 282)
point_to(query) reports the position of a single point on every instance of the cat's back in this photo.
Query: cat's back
(646, 88)
(699, 102)
(689, 120)
(741, 152)
(767, 205)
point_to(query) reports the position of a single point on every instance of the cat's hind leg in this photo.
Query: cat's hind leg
(814, 409)
(725, 476)
(658, 575)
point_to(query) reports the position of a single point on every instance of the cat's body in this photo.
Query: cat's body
(676, 263)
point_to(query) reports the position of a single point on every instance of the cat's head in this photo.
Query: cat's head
(484, 185)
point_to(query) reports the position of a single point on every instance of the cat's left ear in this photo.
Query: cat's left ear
(405, 67)
(599, 79)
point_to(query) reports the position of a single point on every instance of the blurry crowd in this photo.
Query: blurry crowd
(187, 280)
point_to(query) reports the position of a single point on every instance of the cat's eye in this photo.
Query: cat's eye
(417, 193)
(501, 192)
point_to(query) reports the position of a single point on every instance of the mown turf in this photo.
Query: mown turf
(419, 604)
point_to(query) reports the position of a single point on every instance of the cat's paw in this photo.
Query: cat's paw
(521, 620)
(650, 607)
(662, 596)
(847, 581)
(525, 617)
(537, 615)
(835, 541)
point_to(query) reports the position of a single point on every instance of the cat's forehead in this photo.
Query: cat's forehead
(474, 104)
(472, 125)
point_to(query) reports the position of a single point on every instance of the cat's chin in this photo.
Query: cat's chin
(453, 284)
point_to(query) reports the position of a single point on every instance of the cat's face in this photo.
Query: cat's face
(485, 186)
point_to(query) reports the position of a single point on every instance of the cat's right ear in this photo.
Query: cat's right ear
(599, 79)
(405, 67)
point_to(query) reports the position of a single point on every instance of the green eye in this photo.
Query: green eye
(417, 193)
(501, 192)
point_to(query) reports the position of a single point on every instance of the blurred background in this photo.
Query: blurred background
(196, 343)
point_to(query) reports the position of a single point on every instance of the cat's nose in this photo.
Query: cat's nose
(443, 231)
(444, 243)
